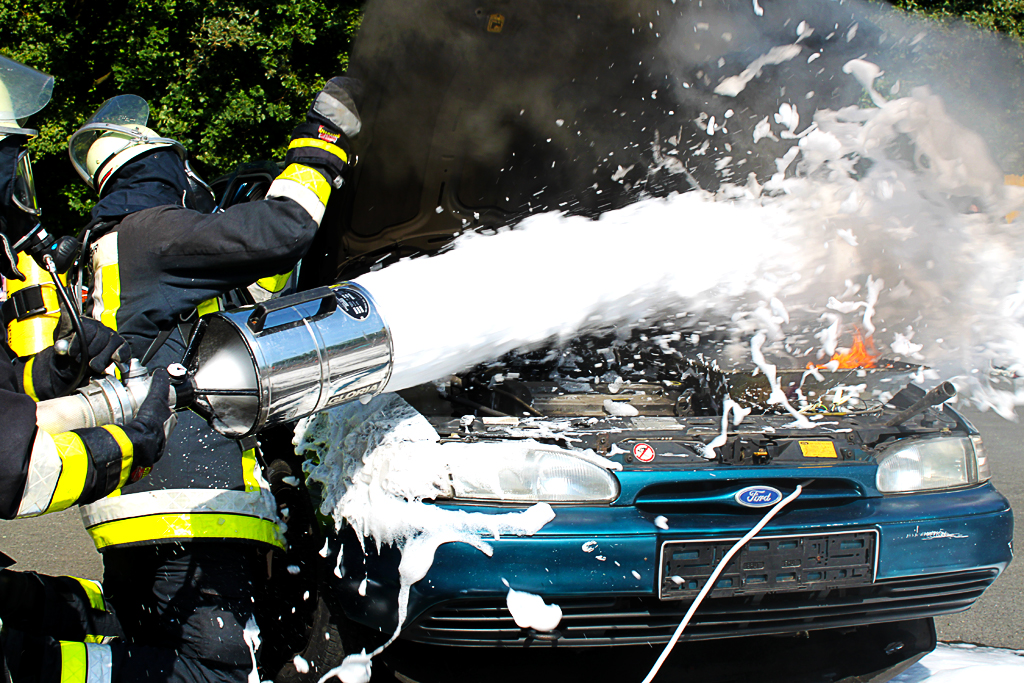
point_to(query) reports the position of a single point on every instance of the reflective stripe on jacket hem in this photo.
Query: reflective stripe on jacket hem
(85, 663)
(171, 527)
(258, 503)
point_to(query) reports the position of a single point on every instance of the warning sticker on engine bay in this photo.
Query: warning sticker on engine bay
(818, 449)
(643, 452)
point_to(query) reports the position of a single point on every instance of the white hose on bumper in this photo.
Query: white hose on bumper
(714, 577)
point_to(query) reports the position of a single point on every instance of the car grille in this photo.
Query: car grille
(631, 620)
(685, 496)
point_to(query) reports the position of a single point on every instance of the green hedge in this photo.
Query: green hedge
(228, 78)
(1001, 16)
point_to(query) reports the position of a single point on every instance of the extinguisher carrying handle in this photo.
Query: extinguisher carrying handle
(328, 303)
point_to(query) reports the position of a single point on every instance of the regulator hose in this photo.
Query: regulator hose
(76, 322)
(714, 577)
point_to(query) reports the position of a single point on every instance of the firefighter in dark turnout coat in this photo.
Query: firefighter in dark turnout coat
(42, 472)
(185, 550)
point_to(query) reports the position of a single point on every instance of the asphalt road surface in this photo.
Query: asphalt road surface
(57, 544)
(995, 619)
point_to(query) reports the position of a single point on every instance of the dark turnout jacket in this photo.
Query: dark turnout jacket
(155, 267)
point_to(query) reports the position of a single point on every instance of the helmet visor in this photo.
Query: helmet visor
(123, 110)
(119, 114)
(24, 191)
(23, 91)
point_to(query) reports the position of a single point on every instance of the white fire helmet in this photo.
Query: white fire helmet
(23, 92)
(115, 135)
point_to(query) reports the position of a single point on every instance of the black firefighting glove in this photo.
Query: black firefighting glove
(50, 374)
(152, 425)
(323, 140)
(126, 454)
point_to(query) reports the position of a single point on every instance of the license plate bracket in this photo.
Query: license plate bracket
(769, 564)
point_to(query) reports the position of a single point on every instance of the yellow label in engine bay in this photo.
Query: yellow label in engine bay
(818, 449)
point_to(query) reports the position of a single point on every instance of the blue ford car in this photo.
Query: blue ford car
(897, 519)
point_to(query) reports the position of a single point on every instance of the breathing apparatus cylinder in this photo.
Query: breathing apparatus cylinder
(32, 308)
(273, 363)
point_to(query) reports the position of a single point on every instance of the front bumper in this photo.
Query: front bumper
(937, 553)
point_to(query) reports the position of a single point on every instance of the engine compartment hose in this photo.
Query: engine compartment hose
(714, 578)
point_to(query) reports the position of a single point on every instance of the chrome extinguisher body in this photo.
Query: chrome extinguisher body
(270, 364)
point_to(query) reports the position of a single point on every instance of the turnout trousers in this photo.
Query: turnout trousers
(166, 614)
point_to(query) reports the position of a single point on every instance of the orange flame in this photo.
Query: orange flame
(861, 355)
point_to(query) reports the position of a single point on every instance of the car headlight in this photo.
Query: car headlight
(530, 472)
(932, 464)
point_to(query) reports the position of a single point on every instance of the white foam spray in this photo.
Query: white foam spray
(577, 274)
(891, 220)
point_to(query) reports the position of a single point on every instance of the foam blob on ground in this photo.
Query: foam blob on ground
(963, 663)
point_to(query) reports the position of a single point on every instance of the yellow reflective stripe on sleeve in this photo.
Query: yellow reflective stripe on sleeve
(209, 306)
(319, 144)
(275, 283)
(185, 526)
(305, 177)
(74, 467)
(127, 452)
(249, 466)
(106, 289)
(30, 387)
(305, 186)
(94, 592)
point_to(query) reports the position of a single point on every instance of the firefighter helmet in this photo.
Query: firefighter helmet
(23, 92)
(115, 135)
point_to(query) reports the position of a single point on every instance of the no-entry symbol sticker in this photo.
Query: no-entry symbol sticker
(643, 452)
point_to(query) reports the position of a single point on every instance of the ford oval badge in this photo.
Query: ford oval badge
(758, 496)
